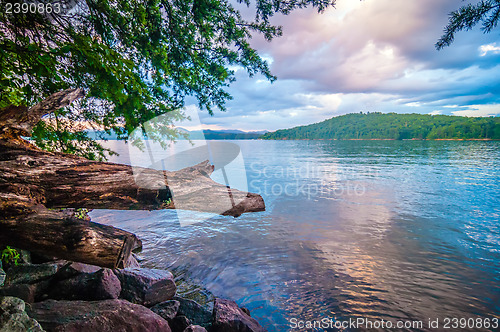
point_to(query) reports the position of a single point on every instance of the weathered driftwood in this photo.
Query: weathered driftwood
(62, 234)
(58, 180)
(35, 184)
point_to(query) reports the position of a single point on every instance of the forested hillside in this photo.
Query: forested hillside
(395, 126)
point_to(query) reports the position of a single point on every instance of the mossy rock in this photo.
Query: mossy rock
(13, 318)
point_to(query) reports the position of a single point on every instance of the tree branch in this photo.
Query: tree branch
(18, 121)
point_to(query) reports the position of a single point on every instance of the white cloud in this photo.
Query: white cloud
(329, 102)
(436, 112)
(493, 48)
(480, 110)
(414, 104)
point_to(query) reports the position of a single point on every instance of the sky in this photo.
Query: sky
(369, 56)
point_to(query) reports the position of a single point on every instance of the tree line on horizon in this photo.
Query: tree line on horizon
(394, 126)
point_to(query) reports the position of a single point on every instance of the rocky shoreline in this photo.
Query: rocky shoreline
(67, 296)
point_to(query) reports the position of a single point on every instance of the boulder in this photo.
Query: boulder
(194, 292)
(168, 309)
(179, 323)
(71, 269)
(228, 317)
(197, 314)
(100, 285)
(132, 262)
(26, 292)
(32, 273)
(107, 315)
(146, 286)
(195, 328)
(13, 318)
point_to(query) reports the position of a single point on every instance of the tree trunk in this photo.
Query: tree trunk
(33, 183)
(62, 234)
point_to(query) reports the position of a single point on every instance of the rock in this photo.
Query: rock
(197, 314)
(13, 318)
(107, 315)
(188, 290)
(146, 286)
(25, 292)
(71, 269)
(195, 328)
(101, 285)
(168, 309)
(179, 323)
(132, 262)
(245, 310)
(228, 317)
(32, 273)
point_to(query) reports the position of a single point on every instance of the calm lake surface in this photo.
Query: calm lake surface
(393, 230)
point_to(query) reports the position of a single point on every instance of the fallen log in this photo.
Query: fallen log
(62, 234)
(58, 180)
(34, 184)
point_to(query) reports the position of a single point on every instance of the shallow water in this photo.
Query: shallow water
(393, 230)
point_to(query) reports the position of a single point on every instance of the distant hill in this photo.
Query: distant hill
(395, 126)
(194, 135)
(223, 134)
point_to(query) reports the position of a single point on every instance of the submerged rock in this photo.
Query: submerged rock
(168, 309)
(146, 286)
(197, 314)
(188, 290)
(13, 318)
(228, 317)
(100, 285)
(107, 315)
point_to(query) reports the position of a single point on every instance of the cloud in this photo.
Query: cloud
(493, 48)
(480, 110)
(371, 55)
(436, 112)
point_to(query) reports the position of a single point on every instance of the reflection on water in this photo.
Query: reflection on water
(379, 229)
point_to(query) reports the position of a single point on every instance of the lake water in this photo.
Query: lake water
(393, 230)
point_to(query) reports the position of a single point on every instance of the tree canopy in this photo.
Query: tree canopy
(486, 12)
(394, 126)
(134, 59)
